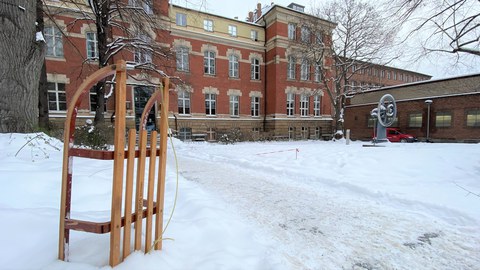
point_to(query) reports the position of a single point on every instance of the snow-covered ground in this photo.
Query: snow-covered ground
(259, 206)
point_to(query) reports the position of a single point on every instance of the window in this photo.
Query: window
(255, 106)
(316, 105)
(291, 133)
(305, 70)
(232, 30)
(57, 99)
(185, 133)
(255, 69)
(233, 66)
(443, 119)
(473, 118)
(208, 25)
(93, 101)
(143, 54)
(209, 63)
(234, 105)
(181, 19)
(182, 59)
(394, 75)
(53, 38)
(415, 120)
(92, 45)
(318, 132)
(319, 38)
(183, 102)
(305, 132)
(305, 34)
(318, 72)
(304, 105)
(290, 104)
(292, 31)
(145, 4)
(291, 67)
(383, 73)
(389, 75)
(254, 35)
(210, 104)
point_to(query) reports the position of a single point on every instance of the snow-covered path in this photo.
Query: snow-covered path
(315, 228)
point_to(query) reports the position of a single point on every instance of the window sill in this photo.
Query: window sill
(55, 58)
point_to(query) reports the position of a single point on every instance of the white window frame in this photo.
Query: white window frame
(318, 73)
(233, 65)
(143, 55)
(291, 67)
(184, 103)
(317, 100)
(305, 70)
(210, 104)
(292, 31)
(185, 133)
(145, 4)
(60, 96)
(255, 69)
(234, 105)
(54, 41)
(254, 35)
(208, 25)
(305, 34)
(92, 45)
(181, 19)
(232, 30)
(182, 58)
(255, 106)
(304, 106)
(209, 62)
(290, 104)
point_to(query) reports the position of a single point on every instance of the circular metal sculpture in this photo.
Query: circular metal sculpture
(387, 110)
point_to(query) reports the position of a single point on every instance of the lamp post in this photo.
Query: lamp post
(428, 102)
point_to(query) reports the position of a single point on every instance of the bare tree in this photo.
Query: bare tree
(20, 64)
(449, 26)
(136, 29)
(360, 39)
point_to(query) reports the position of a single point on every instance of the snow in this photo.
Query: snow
(39, 36)
(259, 206)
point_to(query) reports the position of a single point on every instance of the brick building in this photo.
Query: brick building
(234, 72)
(454, 110)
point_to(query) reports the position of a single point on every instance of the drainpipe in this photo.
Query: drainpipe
(265, 80)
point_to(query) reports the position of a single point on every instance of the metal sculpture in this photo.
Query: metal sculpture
(385, 113)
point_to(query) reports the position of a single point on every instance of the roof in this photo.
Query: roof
(446, 87)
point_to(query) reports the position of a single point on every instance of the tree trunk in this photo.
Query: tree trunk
(21, 60)
(103, 34)
(43, 119)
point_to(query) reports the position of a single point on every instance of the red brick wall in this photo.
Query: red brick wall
(356, 119)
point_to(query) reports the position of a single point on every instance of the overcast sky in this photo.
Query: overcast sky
(438, 66)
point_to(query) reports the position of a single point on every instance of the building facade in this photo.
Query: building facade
(229, 74)
(445, 110)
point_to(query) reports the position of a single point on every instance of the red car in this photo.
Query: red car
(394, 135)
